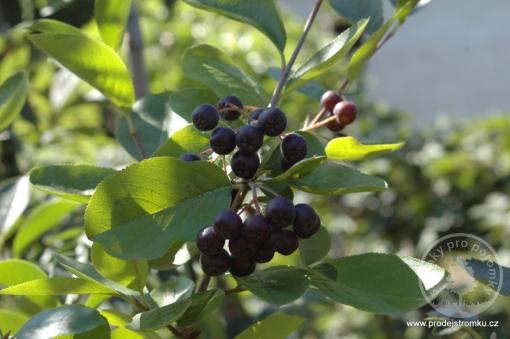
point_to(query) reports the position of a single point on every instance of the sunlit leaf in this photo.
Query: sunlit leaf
(13, 93)
(349, 149)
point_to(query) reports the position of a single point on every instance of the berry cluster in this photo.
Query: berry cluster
(344, 111)
(256, 239)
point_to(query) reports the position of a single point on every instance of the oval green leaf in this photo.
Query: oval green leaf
(172, 290)
(275, 326)
(261, 14)
(354, 10)
(187, 139)
(57, 286)
(14, 198)
(159, 317)
(278, 285)
(139, 212)
(111, 18)
(184, 101)
(73, 182)
(13, 93)
(334, 179)
(91, 60)
(214, 68)
(350, 149)
(11, 320)
(316, 247)
(202, 305)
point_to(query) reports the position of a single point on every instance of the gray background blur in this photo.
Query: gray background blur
(452, 58)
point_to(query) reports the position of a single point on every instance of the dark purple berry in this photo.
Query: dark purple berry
(223, 140)
(265, 253)
(242, 248)
(345, 112)
(256, 229)
(228, 225)
(275, 239)
(245, 165)
(249, 138)
(208, 242)
(288, 243)
(189, 157)
(286, 165)
(329, 99)
(215, 265)
(229, 107)
(280, 212)
(294, 147)
(272, 122)
(256, 114)
(242, 267)
(307, 221)
(205, 117)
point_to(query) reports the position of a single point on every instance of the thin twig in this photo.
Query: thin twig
(235, 290)
(135, 135)
(255, 199)
(318, 116)
(137, 62)
(239, 198)
(319, 124)
(204, 284)
(286, 70)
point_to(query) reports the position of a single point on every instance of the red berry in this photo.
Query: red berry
(329, 99)
(345, 112)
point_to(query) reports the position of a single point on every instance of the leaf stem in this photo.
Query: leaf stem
(255, 200)
(237, 289)
(205, 283)
(135, 135)
(319, 124)
(286, 70)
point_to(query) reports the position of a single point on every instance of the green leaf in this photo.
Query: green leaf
(15, 271)
(278, 285)
(88, 272)
(43, 218)
(111, 18)
(11, 320)
(202, 305)
(139, 212)
(13, 93)
(354, 10)
(214, 68)
(65, 320)
(489, 273)
(91, 60)
(275, 326)
(14, 198)
(173, 290)
(184, 101)
(376, 282)
(188, 139)
(57, 286)
(349, 149)
(316, 247)
(298, 169)
(334, 179)
(73, 182)
(327, 56)
(365, 52)
(159, 317)
(154, 122)
(261, 14)
(132, 274)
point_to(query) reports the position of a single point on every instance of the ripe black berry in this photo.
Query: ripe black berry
(285, 164)
(272, 122)
(189, 157)
(280, 212)
(223, 140)
(242, 267)
(230, 102)
(245, 165)
(242, 248)
(228, 225)
(256, 229)
(294, 147)
(345, 112)
(205, 117)
(249, 138)
(215, 265)
(256, 114)
(288, 243)
(265, 253)
(208, 242)
(329, 99)
(307, 222)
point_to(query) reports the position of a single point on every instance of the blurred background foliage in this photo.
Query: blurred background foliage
(451, 176)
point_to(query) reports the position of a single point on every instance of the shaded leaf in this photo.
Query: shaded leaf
(334, 179)
(13, 93)
(185, 140)
(172, 290)
(139, 212)
(91, 60)
(349, 149)
(261, 14)
(202, 304)
(354, 10)
(214, 68)
(11, 320)
(274, 326)
(73, 182)
(184, 101)
(490, 273)
(298, 169)
(159, 317)
(316, 247)
(278, 285)
(14, 198)
(111, 18)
